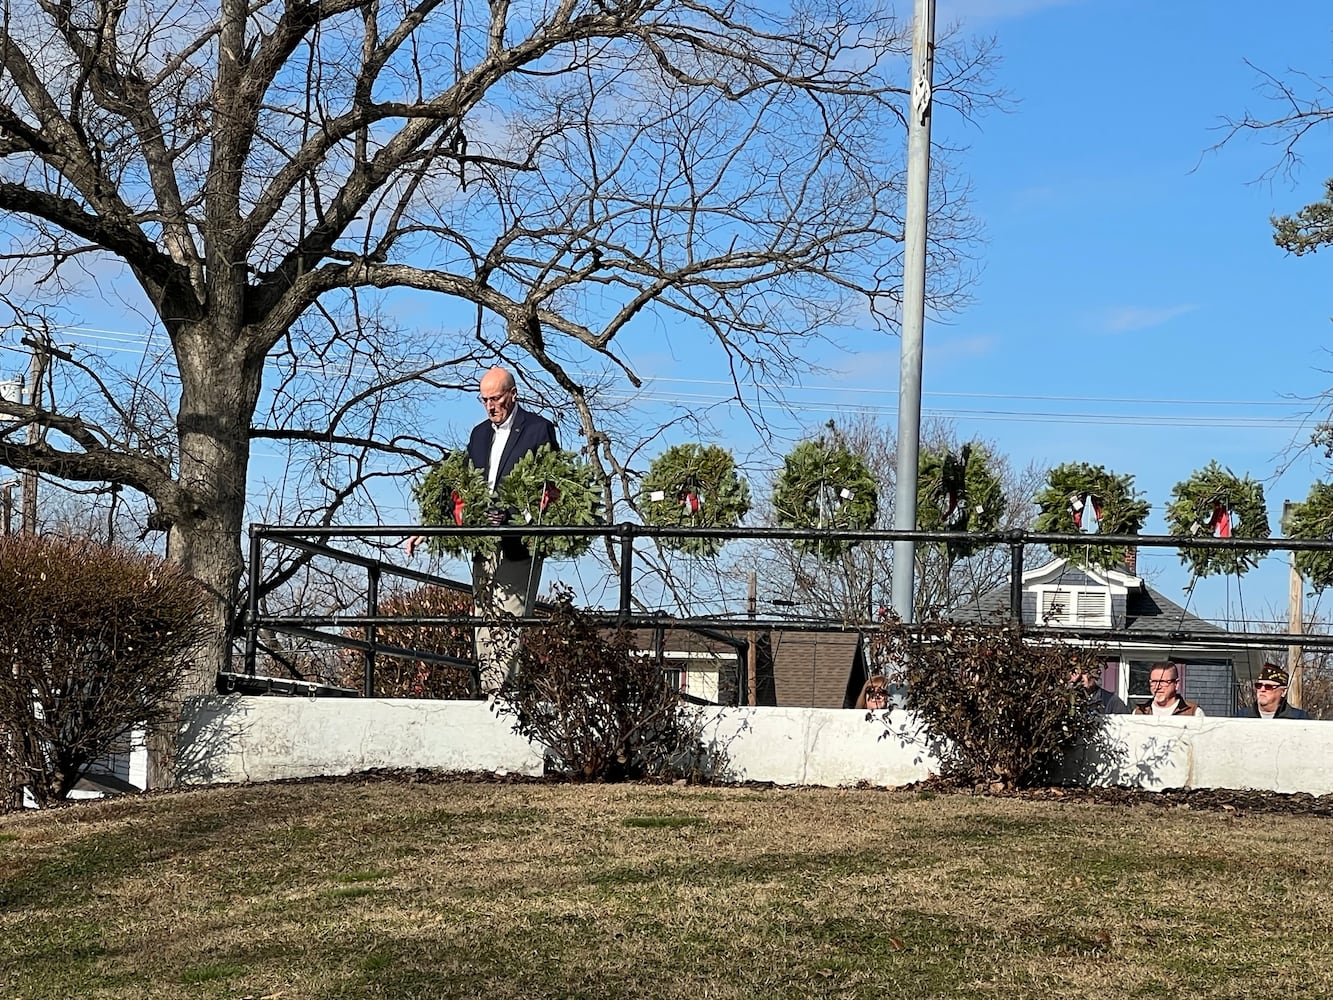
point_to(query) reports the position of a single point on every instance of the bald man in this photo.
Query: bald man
(507, 580)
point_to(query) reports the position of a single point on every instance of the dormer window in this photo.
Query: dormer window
(1074, 606)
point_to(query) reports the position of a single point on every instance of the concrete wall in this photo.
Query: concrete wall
(237, 738)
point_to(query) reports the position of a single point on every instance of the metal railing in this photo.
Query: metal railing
(315, 541)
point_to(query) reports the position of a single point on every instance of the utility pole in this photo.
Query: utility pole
(914, 301)
(36, 370)
(1295, 622)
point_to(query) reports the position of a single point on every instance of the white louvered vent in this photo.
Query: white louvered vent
(1074, 607)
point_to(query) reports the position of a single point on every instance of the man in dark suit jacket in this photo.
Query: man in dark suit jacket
(507, 580)
(1270, 697)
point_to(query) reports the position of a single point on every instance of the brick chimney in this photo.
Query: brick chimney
(1132, 560)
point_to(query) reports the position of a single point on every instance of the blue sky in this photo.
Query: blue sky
(1131, 309)
(1126, 261)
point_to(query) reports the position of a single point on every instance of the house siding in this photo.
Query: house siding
(1209, 685)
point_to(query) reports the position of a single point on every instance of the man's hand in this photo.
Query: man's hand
(410, 546)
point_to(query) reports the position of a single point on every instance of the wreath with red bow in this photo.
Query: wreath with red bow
(958, 492)
(552, 487)
(1076, 496)
(824, 484)
(1214, 501)
(697, 486)
(455, 492)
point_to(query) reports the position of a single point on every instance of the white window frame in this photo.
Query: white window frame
(700, 671)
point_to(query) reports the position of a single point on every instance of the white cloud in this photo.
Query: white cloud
(1127, 319)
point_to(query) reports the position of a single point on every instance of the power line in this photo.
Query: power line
(1298, 411)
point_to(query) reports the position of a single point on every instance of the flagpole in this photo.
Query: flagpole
(914, 302)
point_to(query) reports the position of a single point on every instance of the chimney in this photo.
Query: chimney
(1132, 560)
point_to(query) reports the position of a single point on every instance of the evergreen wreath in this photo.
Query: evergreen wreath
(1073, 487)
(1314, 519)
(694, 485)
(552, 487)
(824, 484)
(958, 492)
(1215, 501)
(455, 492)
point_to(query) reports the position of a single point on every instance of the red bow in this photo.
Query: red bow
(1221, 521)
(690, 502)
(458, 509)
(550, 494)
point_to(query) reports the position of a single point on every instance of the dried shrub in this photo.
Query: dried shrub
(94, 642)
(997, 705)
(404, 676)
(603, 711)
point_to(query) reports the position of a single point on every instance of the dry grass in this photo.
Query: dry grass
(440, 890)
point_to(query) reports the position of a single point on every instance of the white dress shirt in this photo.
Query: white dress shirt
(498, 443)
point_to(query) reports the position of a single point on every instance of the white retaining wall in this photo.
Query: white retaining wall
(244, 738)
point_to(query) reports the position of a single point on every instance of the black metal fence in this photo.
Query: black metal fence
(332, 628)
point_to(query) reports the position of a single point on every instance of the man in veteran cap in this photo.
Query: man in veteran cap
(1270, 697)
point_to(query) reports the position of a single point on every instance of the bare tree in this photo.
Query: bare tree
(853, 588)
(1297, 104)
(565, 174)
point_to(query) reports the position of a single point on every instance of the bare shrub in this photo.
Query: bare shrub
(94, 641)
(405, 677)
(997, 704)
(604, 711)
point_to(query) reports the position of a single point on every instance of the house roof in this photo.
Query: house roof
(814, 669)
(1147, 611)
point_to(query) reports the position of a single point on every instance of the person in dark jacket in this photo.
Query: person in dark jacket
(1270, 697)
(505, 581)
(1102, 701)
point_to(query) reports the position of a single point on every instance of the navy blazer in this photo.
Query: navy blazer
(529, 432)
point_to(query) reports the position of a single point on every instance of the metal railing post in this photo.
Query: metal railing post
(252, 604)
(372, 609)
(626, 564)
(1016, 582)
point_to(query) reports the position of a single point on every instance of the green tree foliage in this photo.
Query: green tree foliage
(95, 641)
(1309, 229)
(1313, 518)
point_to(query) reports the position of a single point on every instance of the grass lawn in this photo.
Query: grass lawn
(396, 889)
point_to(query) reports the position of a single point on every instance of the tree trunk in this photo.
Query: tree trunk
(219, 392)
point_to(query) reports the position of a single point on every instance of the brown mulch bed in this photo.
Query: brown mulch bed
(1239, 801)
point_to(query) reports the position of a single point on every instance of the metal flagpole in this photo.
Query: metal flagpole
(914, 301)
